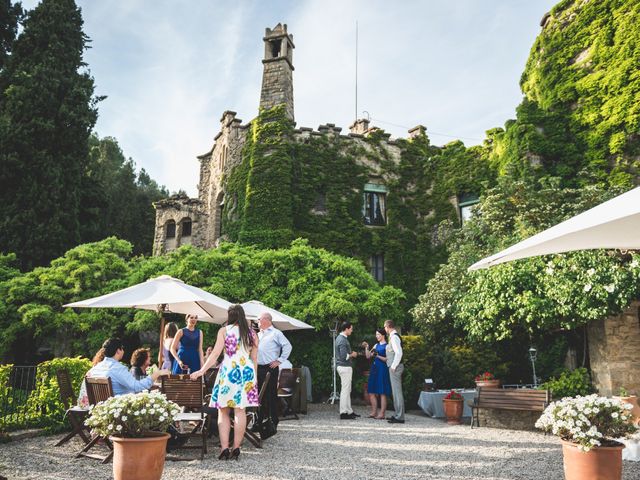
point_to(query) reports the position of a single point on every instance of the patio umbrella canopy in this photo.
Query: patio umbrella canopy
(166, 293)
(614, 224)
(253, 309)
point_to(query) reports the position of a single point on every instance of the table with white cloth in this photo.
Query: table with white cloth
(431, 402)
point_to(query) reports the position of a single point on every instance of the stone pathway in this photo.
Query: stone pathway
(320, 446)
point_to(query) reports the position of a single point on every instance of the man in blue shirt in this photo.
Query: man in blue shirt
(121, 378)
(273, 350)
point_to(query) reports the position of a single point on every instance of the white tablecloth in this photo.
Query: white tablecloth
(431, 402)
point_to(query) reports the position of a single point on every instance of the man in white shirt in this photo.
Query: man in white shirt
(273, 350)
(394, 362)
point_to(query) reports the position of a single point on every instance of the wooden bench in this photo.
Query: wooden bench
(508, 399)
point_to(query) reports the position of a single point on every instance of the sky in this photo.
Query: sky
(169, 68)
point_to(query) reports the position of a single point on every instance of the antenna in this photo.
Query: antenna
(356, 111)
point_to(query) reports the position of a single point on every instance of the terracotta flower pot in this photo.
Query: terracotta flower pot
(453, 410)
(602, 463)
(495, 383)
(633, 401)
(139, 458)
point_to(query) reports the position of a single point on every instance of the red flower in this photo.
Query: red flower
(453, 395)
(484, 376)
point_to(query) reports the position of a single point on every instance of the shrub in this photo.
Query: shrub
(43, 407)
(416, 357)
(458, 365)
(569, 384)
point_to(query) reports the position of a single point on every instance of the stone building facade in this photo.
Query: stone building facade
(203, 216)
(614, 352)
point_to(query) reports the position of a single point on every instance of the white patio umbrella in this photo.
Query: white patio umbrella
(163, 294)
(614, 224)
(253, 309)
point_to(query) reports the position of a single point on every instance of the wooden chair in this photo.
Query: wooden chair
(98, 390)
(189, 394)
(288, 383)
(252, 416)
(76, 415)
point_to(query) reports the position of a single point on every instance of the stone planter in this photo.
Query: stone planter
(139, 458)
(633, 401)
(488, 383)
(602, 463)
(453, 410)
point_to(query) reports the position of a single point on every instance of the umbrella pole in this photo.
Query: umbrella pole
(161, 342)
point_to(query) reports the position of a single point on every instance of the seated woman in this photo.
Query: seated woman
(140, 361)
(83, 400)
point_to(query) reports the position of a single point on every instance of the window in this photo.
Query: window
(377, 267)
(276, 45)
(466, 203)
(171, 229)
(374, 209)
(186, 228)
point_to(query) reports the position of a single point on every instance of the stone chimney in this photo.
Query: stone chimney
(417, 131)
(360, 126)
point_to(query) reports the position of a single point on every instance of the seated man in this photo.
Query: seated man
(121, 379)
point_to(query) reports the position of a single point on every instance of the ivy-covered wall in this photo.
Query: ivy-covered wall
(275, 189)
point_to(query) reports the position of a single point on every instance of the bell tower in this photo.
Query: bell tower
(277, 74)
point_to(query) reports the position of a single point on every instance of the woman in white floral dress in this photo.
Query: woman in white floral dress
(236, 385)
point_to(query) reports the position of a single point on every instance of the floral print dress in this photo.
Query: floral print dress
(236, 385)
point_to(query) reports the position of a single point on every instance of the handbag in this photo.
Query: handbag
(267, 428)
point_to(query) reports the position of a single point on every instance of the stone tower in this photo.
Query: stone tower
(277, 75)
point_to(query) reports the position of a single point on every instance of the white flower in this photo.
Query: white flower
(587, 288)
(610, 288)
(110, 427)
(634, 264)
(119, 427)
(614, 414)
(591, 271)
(549, 270)
(124, 418)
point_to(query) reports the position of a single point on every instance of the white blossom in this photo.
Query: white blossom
(587, 287)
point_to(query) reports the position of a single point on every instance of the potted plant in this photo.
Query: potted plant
(587, 427)
(137, 425)
(453, 404)
(487, 380)
(624, 396)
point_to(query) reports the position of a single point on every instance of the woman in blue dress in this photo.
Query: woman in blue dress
(187, 348)
(379, 385)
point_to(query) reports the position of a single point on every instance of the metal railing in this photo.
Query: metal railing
(14, 393)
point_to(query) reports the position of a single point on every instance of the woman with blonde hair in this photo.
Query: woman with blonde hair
(236, 385)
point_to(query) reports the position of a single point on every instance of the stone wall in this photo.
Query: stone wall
(509, 419)
(614, 352)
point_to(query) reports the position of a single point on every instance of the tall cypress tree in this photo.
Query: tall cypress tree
(46, 116)
(10, 15)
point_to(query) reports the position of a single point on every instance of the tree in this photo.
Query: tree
(531, 296)
(115, 200)
(10, 15)
(47, 113)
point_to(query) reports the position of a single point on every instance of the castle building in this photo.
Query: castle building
(204, 221)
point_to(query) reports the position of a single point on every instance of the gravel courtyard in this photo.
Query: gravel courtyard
(320, 446)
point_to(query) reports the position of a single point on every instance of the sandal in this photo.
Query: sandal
(372, 416)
